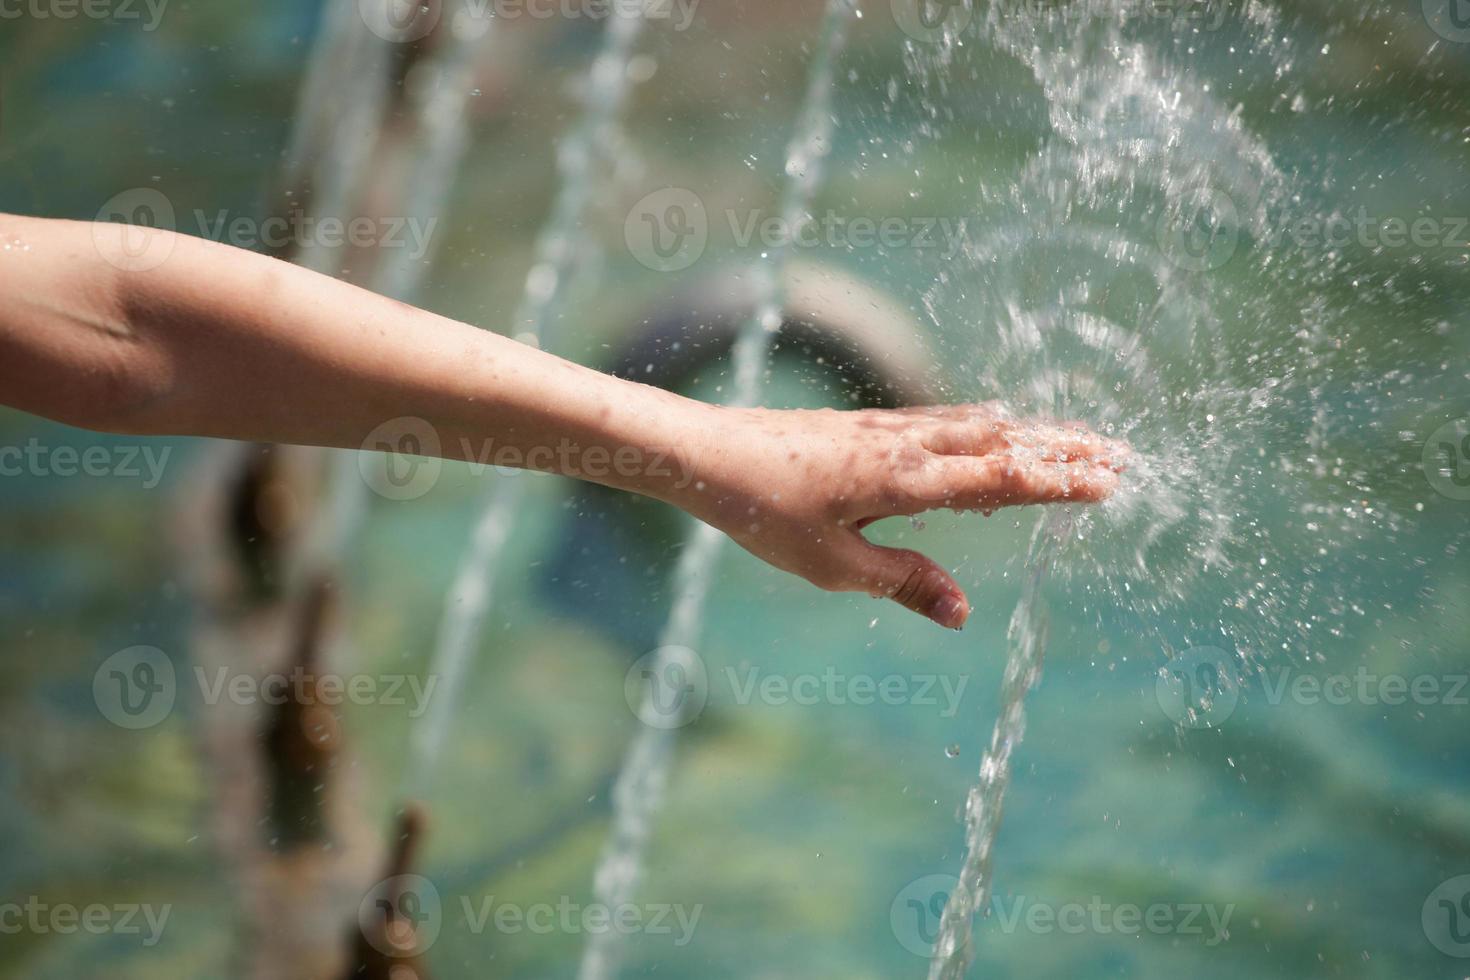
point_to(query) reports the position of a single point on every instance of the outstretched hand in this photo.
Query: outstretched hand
(796, 488)
(214, 341)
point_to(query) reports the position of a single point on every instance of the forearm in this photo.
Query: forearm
(180, 336)
(215, 341)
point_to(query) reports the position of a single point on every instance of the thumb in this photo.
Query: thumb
(911, 580)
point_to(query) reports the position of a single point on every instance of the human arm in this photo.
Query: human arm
(98, 332)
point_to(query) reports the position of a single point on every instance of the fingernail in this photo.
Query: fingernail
(949, 610)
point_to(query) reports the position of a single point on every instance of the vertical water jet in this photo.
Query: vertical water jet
(639, 789)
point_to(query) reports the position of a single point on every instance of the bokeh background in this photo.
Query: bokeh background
(797, 830)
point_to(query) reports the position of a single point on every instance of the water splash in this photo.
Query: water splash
(339, 115)
(1026, 640)
(1110, 285)
(1091, 284)
(638, 792)
(604, 94)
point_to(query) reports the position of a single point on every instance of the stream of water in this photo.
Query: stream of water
(1083, 310)
(436, 107)
(1026, 641)
(639, 789)
(587, 144)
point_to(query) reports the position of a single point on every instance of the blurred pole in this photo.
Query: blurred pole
(262, 540)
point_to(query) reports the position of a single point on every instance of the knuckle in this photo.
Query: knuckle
(911, 589)
(925, 480)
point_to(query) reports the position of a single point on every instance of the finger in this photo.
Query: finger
(1064, 443)
(908, 578)
(1068, 443)
(968, 437)
(961, 412)
(988, 482)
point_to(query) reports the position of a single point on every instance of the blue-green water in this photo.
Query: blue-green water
(1319, 823)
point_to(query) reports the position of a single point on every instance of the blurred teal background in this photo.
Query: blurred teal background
(797, 830)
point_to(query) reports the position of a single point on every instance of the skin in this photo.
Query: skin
(132, 330)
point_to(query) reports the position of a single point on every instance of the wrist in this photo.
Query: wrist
(644, 440)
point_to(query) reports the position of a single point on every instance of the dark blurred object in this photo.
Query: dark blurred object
(264, 517)
(303, 735)
(385, 944)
